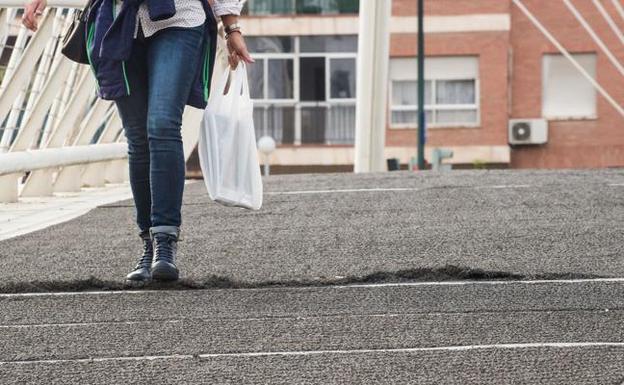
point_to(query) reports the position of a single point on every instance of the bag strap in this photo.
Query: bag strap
(245, 79)
(84, 14)
(240, 83)
(227, 74)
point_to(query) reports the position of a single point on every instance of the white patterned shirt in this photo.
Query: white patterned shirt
(227, 7)
(189, 13)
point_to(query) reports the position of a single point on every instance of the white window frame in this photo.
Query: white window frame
(328, 59)
(434, 108)
(280, 56)
(439, 74)
(294, 8)
(294, 12)
(296, 101)
(564, 116)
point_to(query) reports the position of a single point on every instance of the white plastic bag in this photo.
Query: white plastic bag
(227, 144)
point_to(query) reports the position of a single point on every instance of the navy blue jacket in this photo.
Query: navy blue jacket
(109, 44)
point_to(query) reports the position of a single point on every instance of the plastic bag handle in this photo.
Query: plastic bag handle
(240, 83)
(224, 80)
(245, 77)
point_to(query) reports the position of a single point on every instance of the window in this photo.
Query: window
(304, 88)
(272, 7)
(272, 79)
(279, 44)
(566, 93)
(451, 92)
(342, 78)
(345, 43)
(312, 85)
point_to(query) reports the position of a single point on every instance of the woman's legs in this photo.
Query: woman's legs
(160, 73)
(133, 112)
(174, 56)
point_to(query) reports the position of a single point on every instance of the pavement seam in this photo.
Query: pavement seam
(424, 276)
(394, 189)
(457, 348)
(310, 317)
(321, 286)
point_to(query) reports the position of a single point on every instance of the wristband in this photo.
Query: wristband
(231, 28)
(227, 35)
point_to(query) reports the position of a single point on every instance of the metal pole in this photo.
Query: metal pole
(372, 85)
(421, 86)
(267, 166)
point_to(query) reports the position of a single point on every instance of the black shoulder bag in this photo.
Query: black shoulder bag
(74, 41)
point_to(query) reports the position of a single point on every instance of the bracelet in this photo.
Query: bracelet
(227, 35)
(231, 28)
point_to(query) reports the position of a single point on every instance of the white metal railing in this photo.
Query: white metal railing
(55, 135)
(24, 161)
(48, 112)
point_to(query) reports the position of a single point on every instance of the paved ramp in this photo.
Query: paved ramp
(464, 278)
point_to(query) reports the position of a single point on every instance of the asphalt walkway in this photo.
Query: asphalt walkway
(462, 278)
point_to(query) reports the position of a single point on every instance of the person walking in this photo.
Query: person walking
(154, 57)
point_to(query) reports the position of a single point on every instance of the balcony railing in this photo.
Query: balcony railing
(320, 123)
(301, 7)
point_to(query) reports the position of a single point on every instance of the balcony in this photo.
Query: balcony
(301, 7)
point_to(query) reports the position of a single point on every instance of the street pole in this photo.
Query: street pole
(421, 86)
(372, 85)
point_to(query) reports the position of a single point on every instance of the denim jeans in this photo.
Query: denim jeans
(160, 75)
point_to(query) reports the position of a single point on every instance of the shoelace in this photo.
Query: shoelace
(148, 254)
(163, 247)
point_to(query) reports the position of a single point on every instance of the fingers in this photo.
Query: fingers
(31, 12)
(243, 53)
(236, 43)
(28, 18)
(40, 7)
(233, 60)
(231, 53)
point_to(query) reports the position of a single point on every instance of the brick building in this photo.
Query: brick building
(486, 64)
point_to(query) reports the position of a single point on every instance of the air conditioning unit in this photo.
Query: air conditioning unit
(528, 131)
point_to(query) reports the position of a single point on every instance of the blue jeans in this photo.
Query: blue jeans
(160, 74)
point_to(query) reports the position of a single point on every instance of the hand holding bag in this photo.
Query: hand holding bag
(227, 144)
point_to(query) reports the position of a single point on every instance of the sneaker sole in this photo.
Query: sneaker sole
(133, 283)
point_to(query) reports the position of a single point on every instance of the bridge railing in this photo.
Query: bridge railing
(49, 103)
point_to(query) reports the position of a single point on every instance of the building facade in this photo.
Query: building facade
(486, 64)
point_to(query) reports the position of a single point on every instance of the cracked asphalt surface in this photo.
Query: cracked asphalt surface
(304, 323)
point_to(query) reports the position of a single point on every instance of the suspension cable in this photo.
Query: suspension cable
(609, 20)
(594, 36)
(618, 7)
(567, 55)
